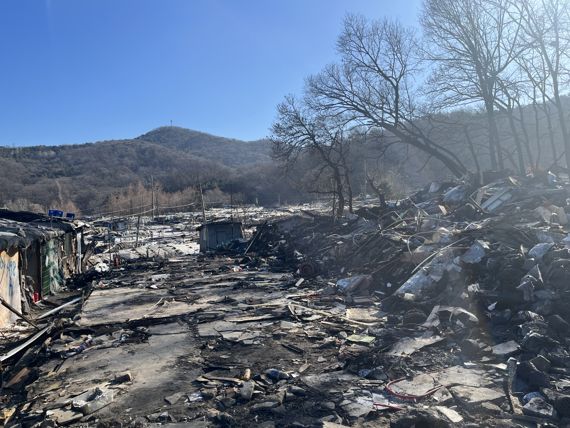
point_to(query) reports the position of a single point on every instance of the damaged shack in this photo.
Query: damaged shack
(37, 255)
(217, 233)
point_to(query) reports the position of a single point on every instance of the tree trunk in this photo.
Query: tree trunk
(348, 192)
(563, 127)
(526, 140)
(473, 153)
(494, 145)
(546, 109)
(537, 133)
(339, 192)
(520, 157)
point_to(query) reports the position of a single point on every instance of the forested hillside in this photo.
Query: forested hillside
(86, 177)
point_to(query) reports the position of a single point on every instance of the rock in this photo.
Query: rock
(540, 408)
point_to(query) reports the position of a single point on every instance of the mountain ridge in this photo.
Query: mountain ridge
(88, 174)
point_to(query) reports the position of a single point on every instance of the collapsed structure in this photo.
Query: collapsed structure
(37, 255)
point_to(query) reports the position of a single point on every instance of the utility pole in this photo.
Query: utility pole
(365, 178)
(152, 193)
(232, 202)
(138, 227)
(202, 200)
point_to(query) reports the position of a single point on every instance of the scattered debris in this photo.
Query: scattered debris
(442, 309)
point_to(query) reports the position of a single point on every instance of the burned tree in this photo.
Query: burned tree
(374, 85)
(545, 40)
(300, 131)
(472, 43)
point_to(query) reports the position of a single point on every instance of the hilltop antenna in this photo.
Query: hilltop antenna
(171, 123)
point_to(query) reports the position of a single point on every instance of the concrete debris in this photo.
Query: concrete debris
(506, 349)
(450, 414)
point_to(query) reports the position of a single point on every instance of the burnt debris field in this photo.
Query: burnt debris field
(445, 308)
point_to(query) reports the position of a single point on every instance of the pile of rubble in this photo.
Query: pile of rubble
(478, 275)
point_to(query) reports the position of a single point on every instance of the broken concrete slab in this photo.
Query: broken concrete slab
(450, 414)
(506, 349)
(474, 395)
(174, 398)
(409, 345)
(540, 408)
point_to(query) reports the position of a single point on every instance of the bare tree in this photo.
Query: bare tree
(472, 43)
(374, 85)
(507, 104)
(299, 131)
(545, 37)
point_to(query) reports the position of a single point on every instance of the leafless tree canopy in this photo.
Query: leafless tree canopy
(484, 88)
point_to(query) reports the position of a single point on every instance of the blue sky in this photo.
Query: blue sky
(75, 71)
